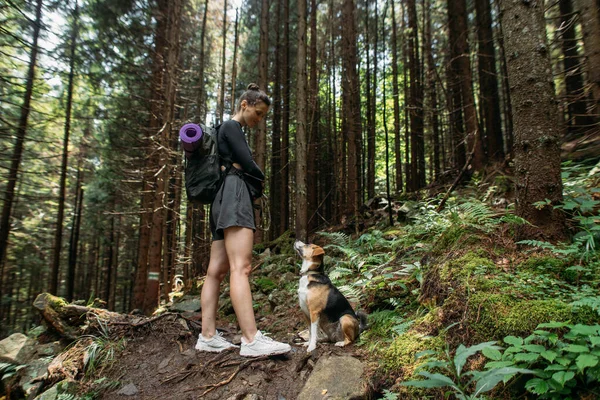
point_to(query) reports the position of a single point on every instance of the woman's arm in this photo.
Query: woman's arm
(240, 151)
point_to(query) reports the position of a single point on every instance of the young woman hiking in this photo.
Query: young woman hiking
(232, 226)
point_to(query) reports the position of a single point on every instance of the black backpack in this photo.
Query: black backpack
(203, 177)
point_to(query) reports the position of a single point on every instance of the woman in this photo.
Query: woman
(232, 226)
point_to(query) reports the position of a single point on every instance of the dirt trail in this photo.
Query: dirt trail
(161, 363)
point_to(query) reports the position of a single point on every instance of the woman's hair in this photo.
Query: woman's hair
(252, 95)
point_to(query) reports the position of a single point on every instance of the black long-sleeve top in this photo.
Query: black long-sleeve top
(234, 147)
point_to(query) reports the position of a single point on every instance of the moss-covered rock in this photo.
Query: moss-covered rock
(545, 263)
(265, 285)
(461, 269)
(397, 363)
(495, 316)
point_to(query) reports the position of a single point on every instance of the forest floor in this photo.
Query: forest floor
(160, 362)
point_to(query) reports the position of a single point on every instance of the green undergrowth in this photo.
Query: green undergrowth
(444, 279)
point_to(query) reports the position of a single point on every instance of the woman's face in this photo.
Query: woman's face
(254, 114)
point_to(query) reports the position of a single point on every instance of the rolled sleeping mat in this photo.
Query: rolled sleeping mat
(190, 135)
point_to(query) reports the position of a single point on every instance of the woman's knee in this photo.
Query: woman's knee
(241, 270)
(217, 271)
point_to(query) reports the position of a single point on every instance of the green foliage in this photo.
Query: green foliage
(450, 372)
(566, 363)
(385, 326)
(100, 353)
(265, 285)
(8, 370)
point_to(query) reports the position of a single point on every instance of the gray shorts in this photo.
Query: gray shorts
(232, 207)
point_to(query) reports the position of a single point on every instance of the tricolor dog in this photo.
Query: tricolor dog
(325, 307)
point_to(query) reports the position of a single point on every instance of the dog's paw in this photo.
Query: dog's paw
(340, 344)
(311, 348)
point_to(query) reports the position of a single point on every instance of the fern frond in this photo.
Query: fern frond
(338, 238)
(339, 272)
(353, 294)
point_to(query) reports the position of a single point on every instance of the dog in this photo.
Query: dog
(328, 311)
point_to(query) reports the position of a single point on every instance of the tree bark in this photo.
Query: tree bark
(234, 62)
(221, 102)
(396, 96)
(433, 105)
(284, 205)
(351, 97)
(170, 13)
(260, 149)
(578, 120)
(276, 149)
(313, 126)
(301, 134)
(458, 26)
(589, 13)
(536, 121)
(58, 234)
(488, 83)
(9, 196)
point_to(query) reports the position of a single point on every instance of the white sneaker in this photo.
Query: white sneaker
(263, 346)
(215, 344)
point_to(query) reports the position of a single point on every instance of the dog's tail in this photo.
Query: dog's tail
(363, 321)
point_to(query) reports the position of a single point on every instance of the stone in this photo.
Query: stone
(128, 390)
(48, 349)
(34, 371)
(50, 394)
(335, 377)
(16, 349)
(34, 333)
(187, 304)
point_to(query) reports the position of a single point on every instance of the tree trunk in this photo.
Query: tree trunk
(58, 234)
(462, 81)
(396, 96)
(284, 205)
(301, 119)
(170, 13)
(417, 144)
(433, 105)
(313, 126)
(370, 101)
(276, 149)
(234, 66)
(9, 196)
(351, 98)
(202, 62)
(221, 102)
(260, 149)
(74, 239)
(589, 13)
(578, 120)
(488, 83)
(536, 121)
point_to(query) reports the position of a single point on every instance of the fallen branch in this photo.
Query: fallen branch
(141, 323)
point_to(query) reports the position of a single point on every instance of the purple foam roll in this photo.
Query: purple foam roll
(190, 135)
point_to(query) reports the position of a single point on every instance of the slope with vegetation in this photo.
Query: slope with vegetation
(456, 307)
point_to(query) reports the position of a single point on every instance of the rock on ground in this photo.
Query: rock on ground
(335, 377)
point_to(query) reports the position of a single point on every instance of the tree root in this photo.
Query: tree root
(213, 386)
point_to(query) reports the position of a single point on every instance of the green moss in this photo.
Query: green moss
(399, 357)
(546, 263)
(464, 267)
(265, 285)
(495, 316)
(448, 238)
(397, 363)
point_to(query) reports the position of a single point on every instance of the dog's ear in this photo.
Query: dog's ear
(318, 251)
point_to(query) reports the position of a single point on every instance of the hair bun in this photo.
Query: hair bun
(253, 86)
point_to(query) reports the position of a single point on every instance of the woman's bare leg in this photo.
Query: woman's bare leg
(218, 267)
(238, 245)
